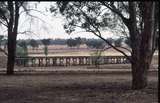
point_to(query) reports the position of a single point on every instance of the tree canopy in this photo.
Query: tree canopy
(137, 21)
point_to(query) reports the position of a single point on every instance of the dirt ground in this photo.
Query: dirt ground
(75, 88)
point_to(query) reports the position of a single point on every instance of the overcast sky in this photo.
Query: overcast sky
(48, 26)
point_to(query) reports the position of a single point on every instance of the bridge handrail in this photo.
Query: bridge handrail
(69, 60)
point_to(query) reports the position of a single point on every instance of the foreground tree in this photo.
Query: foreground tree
(142, 38)
(140, 19)
(9, 17)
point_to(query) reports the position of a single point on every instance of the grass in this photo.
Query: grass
(75, 88)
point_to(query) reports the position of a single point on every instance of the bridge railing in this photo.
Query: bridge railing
(69, 60)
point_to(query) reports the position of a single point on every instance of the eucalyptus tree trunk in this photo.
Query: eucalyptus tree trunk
(11, 52)
(142, 36)
(12, 35)
(142, 44)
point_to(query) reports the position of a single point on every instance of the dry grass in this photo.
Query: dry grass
(66, 51)
(83, 88)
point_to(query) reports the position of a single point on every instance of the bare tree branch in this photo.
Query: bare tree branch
(4, 18)
(39, 19)
(27, 10)
(99, 35)
(24, 32)
(116, 11)
(113, 9)
(129, 58)
(119, 47)
(36, 17)
(29, 32)
(126, 7)
(3, 23)
(79, 32)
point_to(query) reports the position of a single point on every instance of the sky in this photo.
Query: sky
(46, 25)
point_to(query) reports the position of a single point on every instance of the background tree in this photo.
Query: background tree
(110, 40)
(72, 42)
(128, 42)
(45, 50)
(46, 42)
(58, 41)
(33, 43)
(95, 43)
(78, 41)
(3, 43)
(139, 18)
(96, 57)
(22, 49)
(118, 42)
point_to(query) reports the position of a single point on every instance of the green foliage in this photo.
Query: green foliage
(33, 43)
(89, 16)
(46, 41)
(110, 40)
(79, 41)
(21, 52)
(93, 43)
(74, 42)
(1, 37)
(71, 42)
(3, 11)
(128, 42)
(96, 57)
(135, 16)
(118, 42)
(58, 41)
(22, 44)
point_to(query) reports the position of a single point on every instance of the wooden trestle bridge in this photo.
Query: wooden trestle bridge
(44, 61)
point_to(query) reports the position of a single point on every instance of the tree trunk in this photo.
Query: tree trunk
(142, 51)
(140, 71)
(12, 35)
(11, 53)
